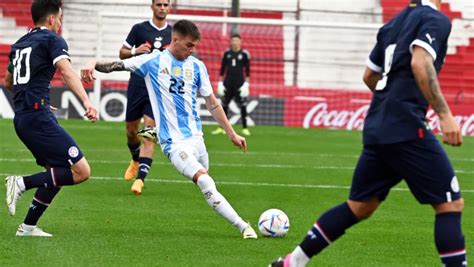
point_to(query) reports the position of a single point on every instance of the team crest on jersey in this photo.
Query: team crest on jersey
(455, 184)
(239, 57)
(177, 71)
(158, 43)
(73, 152)
(188, 74)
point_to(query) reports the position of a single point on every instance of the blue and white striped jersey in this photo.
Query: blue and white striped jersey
(172, 87)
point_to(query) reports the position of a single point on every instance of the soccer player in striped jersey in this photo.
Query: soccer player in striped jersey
(402, 72)
(173, 79)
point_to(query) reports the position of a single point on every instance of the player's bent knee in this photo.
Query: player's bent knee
(132, 132)
(198, 174)
(363, 210)
(454, 206)
(81, 171)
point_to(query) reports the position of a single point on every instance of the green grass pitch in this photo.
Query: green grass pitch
(303, 172)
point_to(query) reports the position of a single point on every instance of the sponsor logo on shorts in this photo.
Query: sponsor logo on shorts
(73, 152)
(455, 185)
(183, 155)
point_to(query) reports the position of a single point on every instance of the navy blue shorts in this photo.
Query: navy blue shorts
(50, 144)
(422, 163)
(138, 103)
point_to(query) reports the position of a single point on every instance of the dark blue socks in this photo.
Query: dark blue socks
(329, 227)
(134, 150)
(144, 165)
(449, 239)
(54, 177)
(43, 197)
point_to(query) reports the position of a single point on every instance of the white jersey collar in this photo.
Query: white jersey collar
(156, 27)
(38, 28)
(429, 3)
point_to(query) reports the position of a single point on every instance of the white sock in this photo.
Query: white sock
(298, 258)
(27, 227)
(218, 202)
(21, 184)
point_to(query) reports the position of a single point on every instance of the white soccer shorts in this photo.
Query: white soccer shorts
(189, 156)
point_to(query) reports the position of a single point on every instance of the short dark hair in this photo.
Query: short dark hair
(235, 35)
(41, 9)
(153, 2)
(187, 28)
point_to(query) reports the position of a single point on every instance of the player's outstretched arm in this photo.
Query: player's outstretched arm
(74, 83)
(87, 72)
(427, 80)
(219, 115)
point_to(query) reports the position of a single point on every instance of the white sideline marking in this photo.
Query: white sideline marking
(305, 186)
(281, 166)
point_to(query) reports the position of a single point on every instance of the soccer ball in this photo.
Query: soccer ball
(273, 223)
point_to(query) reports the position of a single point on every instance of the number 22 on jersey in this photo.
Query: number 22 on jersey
(176, 87)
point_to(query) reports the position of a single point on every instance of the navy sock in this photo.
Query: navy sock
(134, 150)
(449, 239)
(54, 177)
(43, 197)
(144, 167)
(329, 227)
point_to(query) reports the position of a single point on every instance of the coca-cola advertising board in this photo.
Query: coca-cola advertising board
(344, 110)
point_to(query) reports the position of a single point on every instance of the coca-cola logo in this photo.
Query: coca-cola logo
(466, 122)
(320, 116)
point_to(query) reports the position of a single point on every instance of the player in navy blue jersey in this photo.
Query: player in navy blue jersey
(144, 38)
(234, 80)
(34, 59)
(398, 144)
